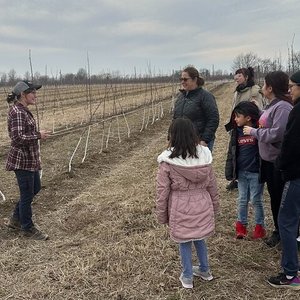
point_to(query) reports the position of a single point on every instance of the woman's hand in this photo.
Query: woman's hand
(203, 143)
(45, 134)
(247, 130)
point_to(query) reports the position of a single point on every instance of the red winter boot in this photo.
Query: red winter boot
(240, 229)
(259, 232)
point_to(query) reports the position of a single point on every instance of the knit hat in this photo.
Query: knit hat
(296, 78)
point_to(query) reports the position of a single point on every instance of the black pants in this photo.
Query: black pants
(272, 176)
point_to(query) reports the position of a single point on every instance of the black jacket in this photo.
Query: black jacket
(289, 157)
(230, 164)
(201, 108)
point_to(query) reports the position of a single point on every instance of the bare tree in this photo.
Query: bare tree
(244, 61)
(3, 79)
(12, 75)
(27, 76)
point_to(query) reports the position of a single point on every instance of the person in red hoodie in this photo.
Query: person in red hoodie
(187, 198)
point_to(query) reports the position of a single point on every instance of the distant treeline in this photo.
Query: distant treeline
(262, 66)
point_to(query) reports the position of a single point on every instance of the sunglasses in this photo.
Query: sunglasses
(185, 79)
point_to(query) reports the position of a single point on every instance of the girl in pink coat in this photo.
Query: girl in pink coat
(187, 197)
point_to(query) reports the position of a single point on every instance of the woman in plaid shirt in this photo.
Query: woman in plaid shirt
(24, 157)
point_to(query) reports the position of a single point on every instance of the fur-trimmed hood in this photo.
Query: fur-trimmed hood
(193, 169)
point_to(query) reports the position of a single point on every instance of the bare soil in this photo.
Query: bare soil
(105, 242)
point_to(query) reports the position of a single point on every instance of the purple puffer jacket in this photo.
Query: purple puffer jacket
(187, 197)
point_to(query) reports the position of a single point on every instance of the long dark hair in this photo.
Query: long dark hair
(182, 138)
(193, 73)
(249, 73)
(279, 81)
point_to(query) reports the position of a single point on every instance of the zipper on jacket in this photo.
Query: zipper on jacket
(184, 101)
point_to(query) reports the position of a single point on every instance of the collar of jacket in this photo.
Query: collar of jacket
(241, 88)
(297, 101)
(273, 102)
(190, 92)
(21, 106)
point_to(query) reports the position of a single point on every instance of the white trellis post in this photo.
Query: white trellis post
(3, 196)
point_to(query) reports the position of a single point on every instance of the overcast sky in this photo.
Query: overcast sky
(127, 34)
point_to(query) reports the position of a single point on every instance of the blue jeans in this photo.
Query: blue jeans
(186, 257)
(29, 185)
(288, 223)
(250, 189)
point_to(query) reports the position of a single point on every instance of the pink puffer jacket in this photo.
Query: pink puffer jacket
(187, 197)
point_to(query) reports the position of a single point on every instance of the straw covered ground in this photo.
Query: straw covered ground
(105, 242)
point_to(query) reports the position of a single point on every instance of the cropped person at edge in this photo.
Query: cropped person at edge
(289, 213)
(198, 105)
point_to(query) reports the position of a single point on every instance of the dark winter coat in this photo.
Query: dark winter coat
(201, 108)
(289, 158)
(230, 165)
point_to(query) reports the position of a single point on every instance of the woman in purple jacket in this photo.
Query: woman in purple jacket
(187, 197)
(272, 124)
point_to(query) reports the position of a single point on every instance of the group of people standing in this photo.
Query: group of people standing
(264, 148)
(264, 131)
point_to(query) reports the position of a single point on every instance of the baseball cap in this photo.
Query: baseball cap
(23, 86)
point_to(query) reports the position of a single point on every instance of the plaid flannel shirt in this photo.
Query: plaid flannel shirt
(24, 151)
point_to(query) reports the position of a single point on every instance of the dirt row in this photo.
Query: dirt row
(105, 242)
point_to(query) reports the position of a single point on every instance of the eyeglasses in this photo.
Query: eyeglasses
(185, 79)
(293, 84)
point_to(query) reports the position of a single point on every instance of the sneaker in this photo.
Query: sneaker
(186, 282)
(14, 223)
(273, 240)
(259, 232)
(204, 275)
(35, 234)
(240, 229)
(280, 281)
(232, 185)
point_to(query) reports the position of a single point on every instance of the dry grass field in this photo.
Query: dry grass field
(105, 242)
